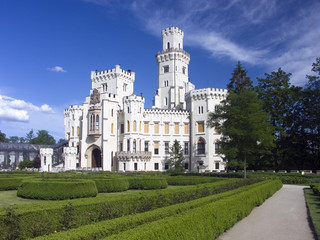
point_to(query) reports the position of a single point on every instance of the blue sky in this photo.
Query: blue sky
(49, 47)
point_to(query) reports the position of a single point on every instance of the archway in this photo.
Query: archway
(96, 158)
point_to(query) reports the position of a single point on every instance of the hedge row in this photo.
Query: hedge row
(147, 183)
(190, 180)
(206, 222)
(10, 183)
(57, 190)
(114, 226)
(112, 185)
(48, 217)
(315, 188)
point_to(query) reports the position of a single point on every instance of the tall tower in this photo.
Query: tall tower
(173, 62)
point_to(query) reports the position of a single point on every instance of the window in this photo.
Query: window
(215, 108)
(200, 109)
(216, 147)
(217, 165)
(166, 101)
(166, 68)
(166, 166)
(200, 127)
(124, 166)
(72, 131)
(156, 148)
(97, 122)
(121, 146)
(134, 146)
(156, 166)
(166, 83)
(125, 87)
(111, 159)
(111, 128)
(78, 131)
(112, 112)
(166, 128)
(128, 110)
(186, 166)
(135, 166)
(168, 45)
(146, 127)
(105, 87)
(184, 70)
(122, 128)
(128, 145)
(186, 128)
(134, 126)
(45, 160)
(156, 127)
(140, 127)
(146, 146)
(166, 148)
(176, 128)
(201, 145)
(128, 126)
(186, 148)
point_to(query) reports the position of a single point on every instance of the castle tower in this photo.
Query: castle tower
(173, 79)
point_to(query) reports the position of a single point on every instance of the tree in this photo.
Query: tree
(176, 156)
(37, 162)
(43, 138)
(13, 139)
(239, 80)
(3, 137)
(245, 128)
(30, 135)
(25, 164)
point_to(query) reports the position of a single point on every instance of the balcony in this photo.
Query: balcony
(130, 156)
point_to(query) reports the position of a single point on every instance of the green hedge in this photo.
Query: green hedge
(315, 188)
(109, 227)
(190, 180)
(51, 216)
(57, 190)
(147, 183)
(206, 222)
(112, 185)
(10, 183)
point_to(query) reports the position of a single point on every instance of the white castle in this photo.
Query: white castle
(113, 131)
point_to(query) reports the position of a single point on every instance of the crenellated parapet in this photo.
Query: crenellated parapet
(111, 74)
(158, 111)
(206, 93)
(172, 31)
(72, 110)
(133, 99)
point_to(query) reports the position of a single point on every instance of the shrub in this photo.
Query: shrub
(109, 227)
(101, 208)
(315, 188)
(112, 185)
(147, 183)
(206, 222)
(190, 180)
(56, 190)
(10, 183)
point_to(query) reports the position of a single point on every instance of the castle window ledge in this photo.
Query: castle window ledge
(202, 133)
(127, 156)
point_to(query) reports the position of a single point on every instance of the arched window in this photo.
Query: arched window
(134, 126)
(72, 131)
(45, 160)
(128, 126)
(168, 45)
(134, 145)
(111, 128)
(91, 122)
(166, 101)
(78, 131)
(201, 146)
(112, 112)
(97, 122)
(216, 147)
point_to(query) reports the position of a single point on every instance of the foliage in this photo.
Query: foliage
(101, 208)
(188, 180)
(205, 222)
(25, 164)
(239, 81)
(147, 183)
(176, 156)
(246, 131)
(56, 190)
(3, 137)
(112, 185)
(11, 223)
(115, 226)
(316, 188)
(37, 162)
(10, 183)
(29, 136)
(43, 138)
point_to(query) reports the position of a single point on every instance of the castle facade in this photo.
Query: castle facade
(113, 131)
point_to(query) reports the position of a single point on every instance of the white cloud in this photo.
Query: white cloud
(18, 110)
(57, 69)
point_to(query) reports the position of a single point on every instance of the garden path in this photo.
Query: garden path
(281, 217)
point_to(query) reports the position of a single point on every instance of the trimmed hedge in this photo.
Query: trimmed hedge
(57, 190)
(190, 180)
(49, 217)
(315, 188)
(112, 185)
(147, 183)
(114, 226)
(206, 222)
(10, 183)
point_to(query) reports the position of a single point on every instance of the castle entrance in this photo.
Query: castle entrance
(96, 158)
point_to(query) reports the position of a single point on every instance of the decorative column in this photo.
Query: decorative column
(46, 159)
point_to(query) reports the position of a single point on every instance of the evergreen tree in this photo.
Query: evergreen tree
(176, 156)
(43, 138)
(30, 135)
(245, 128)
(239, 80)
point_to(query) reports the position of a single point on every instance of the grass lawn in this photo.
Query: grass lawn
(313, 202)
(8, 198)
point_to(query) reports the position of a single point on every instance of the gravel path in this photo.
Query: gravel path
(281, 217)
